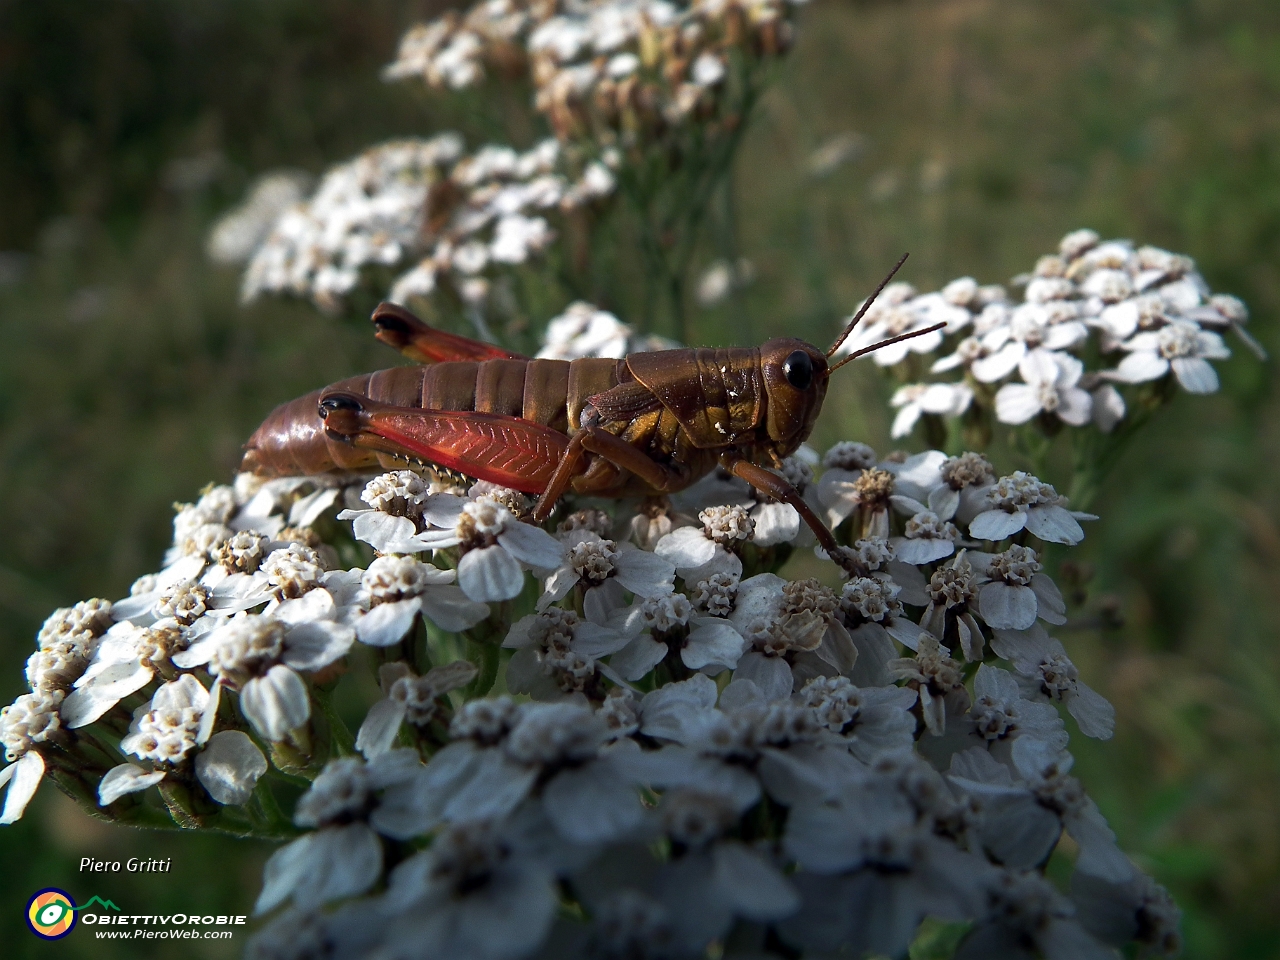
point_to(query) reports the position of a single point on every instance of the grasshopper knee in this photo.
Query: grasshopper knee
(343, 414)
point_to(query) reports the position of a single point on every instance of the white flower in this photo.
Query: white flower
(1138, 909)
(952, 595)
(494, 546)
(180, 718)
(1050, 386)
(292, 570)
(870, 605)
(606, 566)
(691, 547)
(1180, 345)
(708, 70)
(870, 868)
(238, 232)
(940, 399)
(1030, 326)
(791, 632)
(261, 654)
(344, 856)
(124, 662)
(934, 676)
(557, 652)
(1049, 675)
(874, 720)
(408, 697)
(22, 778)
(928, 537)
(1017, 592)
(320, 867)
(1000, 714)
(1025, 912)
(480, 890)
(397, 589)
(228, 768)
(585, 331)
(1020, 500)
(867, 490)
(401, 505)
(517, 237)
(670, 621)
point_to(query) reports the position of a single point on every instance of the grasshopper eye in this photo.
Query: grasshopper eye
(798, 369)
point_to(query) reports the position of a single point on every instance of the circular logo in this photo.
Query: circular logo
(51, 914)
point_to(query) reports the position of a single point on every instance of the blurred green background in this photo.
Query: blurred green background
(979, 131)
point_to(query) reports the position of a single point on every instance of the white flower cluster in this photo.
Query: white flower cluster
(700, 751)
(605, 67)
(1145, 311)
(584, 330)
(462, 217)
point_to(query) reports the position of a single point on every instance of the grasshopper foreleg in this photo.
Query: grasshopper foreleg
(780, 489)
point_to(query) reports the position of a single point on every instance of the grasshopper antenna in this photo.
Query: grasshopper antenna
(884, 343)
(866, 306)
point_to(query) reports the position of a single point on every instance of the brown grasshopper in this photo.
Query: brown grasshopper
(648, 424)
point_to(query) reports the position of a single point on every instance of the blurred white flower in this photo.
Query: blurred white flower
(1180, 345)
(238, 232)
(1049, 386)
(941, 399)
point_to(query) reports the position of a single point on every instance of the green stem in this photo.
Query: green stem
(485, 656)
(343, 742)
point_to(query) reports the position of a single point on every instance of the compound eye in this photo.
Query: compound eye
(798, 369)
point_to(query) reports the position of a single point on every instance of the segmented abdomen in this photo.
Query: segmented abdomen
(292, 440)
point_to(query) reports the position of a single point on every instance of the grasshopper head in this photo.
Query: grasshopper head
(795, 383)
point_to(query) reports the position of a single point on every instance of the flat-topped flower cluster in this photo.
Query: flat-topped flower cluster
(1095, 316)
(610, 70)
(461, 218)
(643, 99)
(621, 734)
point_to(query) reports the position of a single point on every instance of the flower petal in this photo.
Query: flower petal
(385, 533)
(1052, 608)
(276, 703)
(490, 574)
(532, 545)
(387, 623)
(1017, 403)
(229, 767)
(1054, 524)
(23, 777)
(686, 547)
(771, 674)
(1141, 366)
(751, 884)
(381, 724)
(1096, 716)
(591, 804)
(712, 640)
(1007, 606)
(638, 657)
(646, 574)
(1195, 374)
(997, 524)
(775, 523)
(449, 608)
(126, 778)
